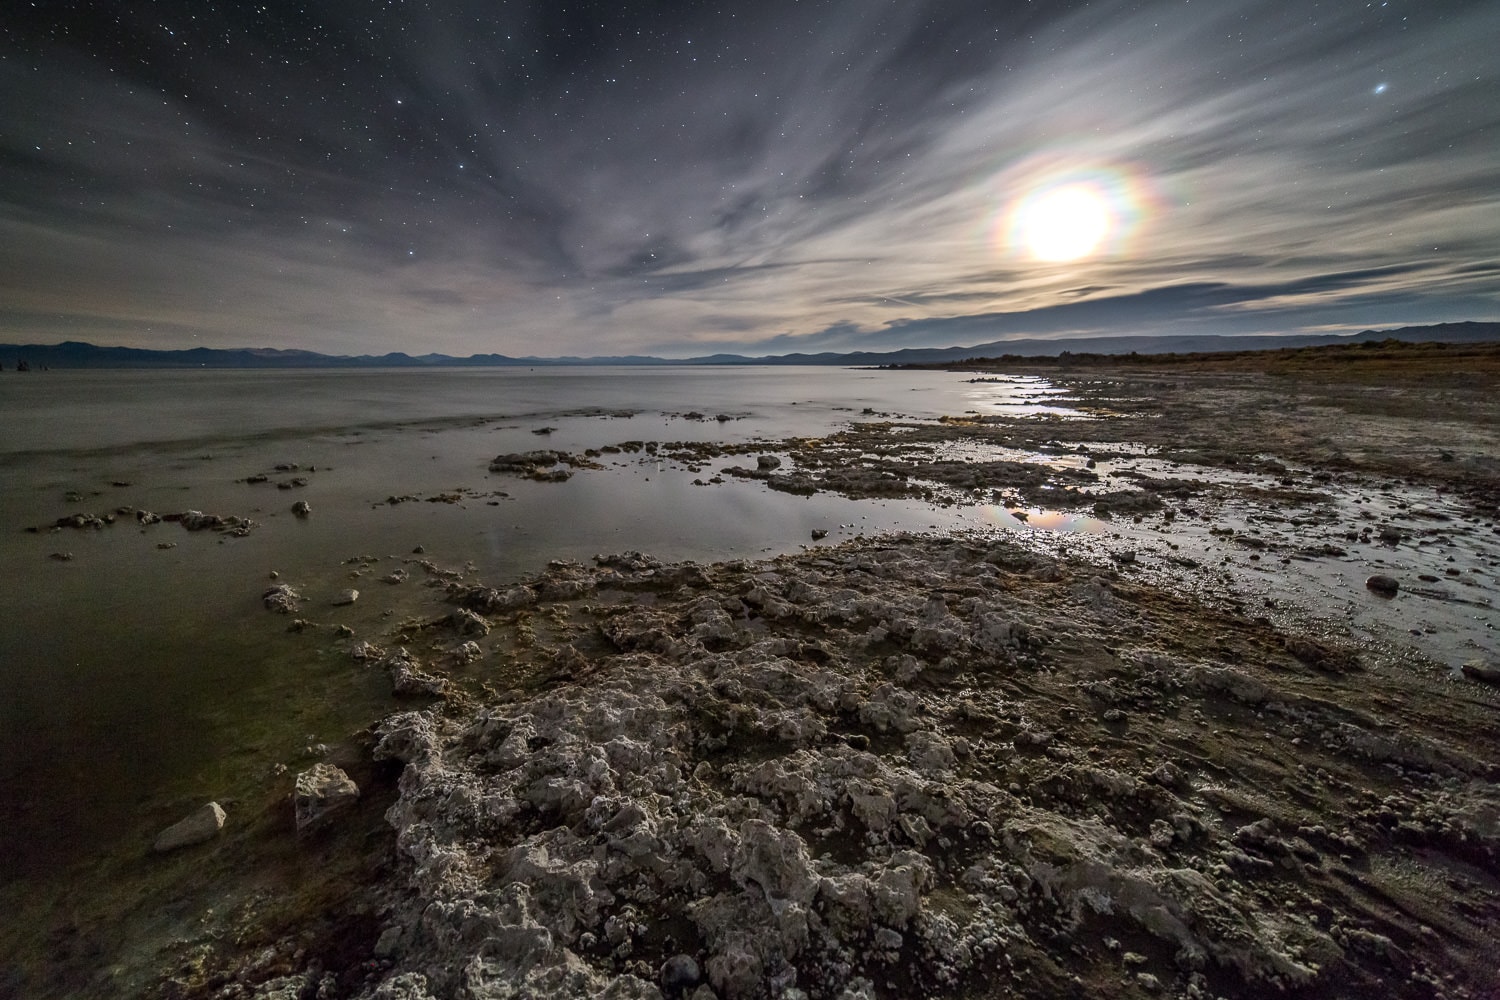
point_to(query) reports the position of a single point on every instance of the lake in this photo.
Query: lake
(143, 676)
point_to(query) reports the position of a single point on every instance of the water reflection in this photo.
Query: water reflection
(1069, 522)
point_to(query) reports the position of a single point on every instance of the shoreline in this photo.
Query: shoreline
(917, 764)
(846, 715)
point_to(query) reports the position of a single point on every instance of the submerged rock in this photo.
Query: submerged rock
(80, 521)
(201, 825)
(197, 520)
(321, 791)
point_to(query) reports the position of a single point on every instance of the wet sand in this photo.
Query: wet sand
(1181, 749)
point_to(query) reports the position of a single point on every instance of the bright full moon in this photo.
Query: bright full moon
(1064, 223)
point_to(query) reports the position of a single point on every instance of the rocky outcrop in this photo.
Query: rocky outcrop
(896, 769)
(543, 466)
(409, 679)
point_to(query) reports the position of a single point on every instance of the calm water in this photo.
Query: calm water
(142, 680)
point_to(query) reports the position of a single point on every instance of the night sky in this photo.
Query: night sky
(761, 177)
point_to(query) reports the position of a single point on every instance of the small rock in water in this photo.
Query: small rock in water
(203, 824)
(346, 597)
(768, 462)
(1479, 670)
(322, 790)
(1385, 585)
(818, 533)
(301, 508)
(281, 598)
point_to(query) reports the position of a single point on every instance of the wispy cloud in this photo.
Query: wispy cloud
(763, 178)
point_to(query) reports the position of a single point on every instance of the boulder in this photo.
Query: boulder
(322, 790)
(200, 825)
(1384, 585)
(1481, 670)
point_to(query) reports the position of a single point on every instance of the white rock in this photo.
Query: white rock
(322, 790)
(203, 824)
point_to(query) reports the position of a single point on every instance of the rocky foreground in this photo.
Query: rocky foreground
(911, 767)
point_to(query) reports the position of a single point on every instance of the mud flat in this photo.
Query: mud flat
(1190, 750)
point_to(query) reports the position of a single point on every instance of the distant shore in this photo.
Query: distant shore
(77, 354)
(1369, 359)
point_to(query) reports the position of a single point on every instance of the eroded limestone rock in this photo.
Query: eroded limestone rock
(321, 792)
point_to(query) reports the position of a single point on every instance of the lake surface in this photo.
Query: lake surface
(142, 678)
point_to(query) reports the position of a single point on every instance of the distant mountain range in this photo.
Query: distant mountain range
(73, 354)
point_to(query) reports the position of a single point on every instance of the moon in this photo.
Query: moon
(1064, 223)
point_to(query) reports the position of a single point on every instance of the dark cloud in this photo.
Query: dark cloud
(588, 178)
